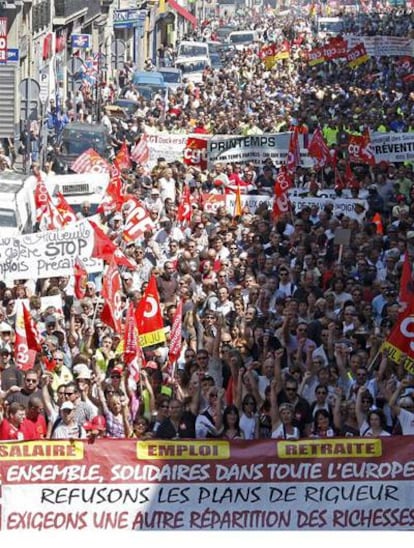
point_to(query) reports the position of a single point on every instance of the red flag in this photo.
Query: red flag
(133, 356)
(318, 149)
(400, 340)
(81, 278)
(195, 152)
(293, 157)
(24, 356)
(104, 248)
(281, 203)
(377, 220)
(113, 198)
(339, 181)
(184, 207)
(32, 336)
(123, 159)
(350, 180)
(406, 285)
(64, 209)
(90, 162)
(149, 317)
(112, 294)
(137, 220)
(47, 214)
(141, 153)
(176, 336)
(359, 149)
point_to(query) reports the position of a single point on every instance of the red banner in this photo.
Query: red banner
(334, 484)
(112, 294)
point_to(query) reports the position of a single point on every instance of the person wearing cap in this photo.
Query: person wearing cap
(61, 373)
(83, 410)
(67, 426)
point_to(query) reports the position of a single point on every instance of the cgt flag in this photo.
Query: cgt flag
(149, 317)
(176, 338)
(24, 356)
(132, 350)
(112, 294)
(81, 278)
(400, 344)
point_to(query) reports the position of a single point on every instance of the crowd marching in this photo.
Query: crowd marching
(219, 315)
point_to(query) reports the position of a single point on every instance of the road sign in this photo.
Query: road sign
(13, 55)
(44, 87)
(75, 66)
(81, 41)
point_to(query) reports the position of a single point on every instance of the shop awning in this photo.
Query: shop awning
(183, 12)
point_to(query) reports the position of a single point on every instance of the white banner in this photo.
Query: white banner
(170, 147)
(48, 254)
(379, 46)
(346, 205)
(255, 148)
(392, 147)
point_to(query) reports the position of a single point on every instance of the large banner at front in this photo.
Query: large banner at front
(341, 484)
(49, 253)
(255, 148)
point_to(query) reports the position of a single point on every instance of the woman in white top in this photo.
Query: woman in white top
(282, 416)
(373, 427)
(249, 420)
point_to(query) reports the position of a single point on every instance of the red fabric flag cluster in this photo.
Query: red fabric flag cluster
(105, 249)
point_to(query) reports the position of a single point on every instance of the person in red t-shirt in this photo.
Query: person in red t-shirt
(34, 425)
(10, 428)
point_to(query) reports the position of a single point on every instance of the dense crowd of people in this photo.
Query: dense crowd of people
(282, 327)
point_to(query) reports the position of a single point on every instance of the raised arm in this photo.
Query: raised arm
(275, 388)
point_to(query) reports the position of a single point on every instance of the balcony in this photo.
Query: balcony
(94, 11)
(69, 10)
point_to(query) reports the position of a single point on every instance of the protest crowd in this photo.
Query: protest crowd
(250, 297)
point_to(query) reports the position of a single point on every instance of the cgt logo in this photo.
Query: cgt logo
(407, 329)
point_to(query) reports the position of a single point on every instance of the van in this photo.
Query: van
(192, 49)
(79, 188)
(77, 137)
(149, 83)
(172, 77)
(241, 39)
(192, 68)
(16, 207)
